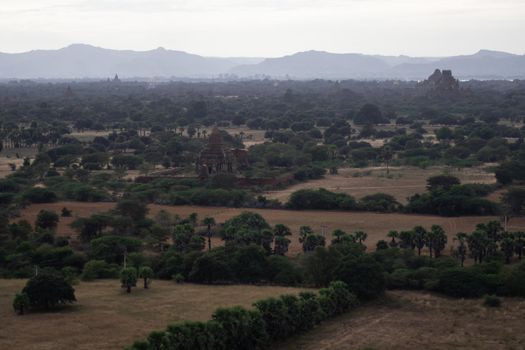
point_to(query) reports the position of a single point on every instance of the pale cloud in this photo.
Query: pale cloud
(266, 27)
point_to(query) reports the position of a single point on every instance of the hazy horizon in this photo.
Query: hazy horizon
(249, 28)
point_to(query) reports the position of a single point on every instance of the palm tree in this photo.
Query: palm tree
(461, 250)
(338, 234)
(420, 237)
(360, 236)
(209, 222)
(393, 235)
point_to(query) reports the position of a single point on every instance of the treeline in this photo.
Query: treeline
(270, 321)
(445, 196)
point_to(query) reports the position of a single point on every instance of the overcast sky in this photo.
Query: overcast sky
(267, 27)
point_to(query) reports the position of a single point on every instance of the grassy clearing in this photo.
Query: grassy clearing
(415, 320)
(376, 225)
(105, 317)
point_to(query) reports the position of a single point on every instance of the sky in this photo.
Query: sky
(267, 28)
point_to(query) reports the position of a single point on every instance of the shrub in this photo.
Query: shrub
(461, 283)
(492, 301)
(39, 195)
(21, 303)
(128, 278)
(363, 275)
(94, 269)
(48, 290)
(241, 329)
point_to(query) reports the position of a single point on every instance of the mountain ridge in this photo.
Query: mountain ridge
(78, 61)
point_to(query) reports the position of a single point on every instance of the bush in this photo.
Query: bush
(94, 269)
(492, 301)
(39, 195)
(21, 303)
(48, 290)
(461, 283)
(321, 199)
(241, 329)
(514, 283)
(363, 275)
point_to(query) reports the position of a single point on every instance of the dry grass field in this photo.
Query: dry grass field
(407, 320)
(106, 318)
(9, 156)
(375, 224)
(402, 183)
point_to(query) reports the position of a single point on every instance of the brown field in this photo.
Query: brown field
(105, 317)
(375, 224)
(402, 183)
(415, 320)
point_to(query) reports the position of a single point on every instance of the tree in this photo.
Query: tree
(313, 241)
(513, 202)
(442, 182)
(304, 231)
(360, 236)
(507, 247)
(21, 303)
(47, 220)
(338, 234)
(420, 238)
(209, 222)
(281, 245)
(407, 239)
(387, 155)
(48, 290)
(393, 235)
(363, 275)
(128, 278)
(437, 240)
(133, 208)
(461, 250)
(146, 273)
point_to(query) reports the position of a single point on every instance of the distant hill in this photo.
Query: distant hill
(85, 61)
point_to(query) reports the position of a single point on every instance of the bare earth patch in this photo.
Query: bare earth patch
(106, 318)
(409, 320)
(375, 224)
(402, 183)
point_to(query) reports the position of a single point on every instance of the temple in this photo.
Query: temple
(215, 158)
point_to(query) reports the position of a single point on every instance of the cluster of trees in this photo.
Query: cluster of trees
(270, 321)
(446, 196)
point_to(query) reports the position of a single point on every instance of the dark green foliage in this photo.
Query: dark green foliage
(47, 220)
(492, 301)
(39, 195)
(321, 199)
(363, 275)
(21, 303)
(461, 283)
(241, 329)
(380, 202)
(48, 290)
(112, 248)
(128, 278)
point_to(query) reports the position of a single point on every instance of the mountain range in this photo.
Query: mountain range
(81, 61)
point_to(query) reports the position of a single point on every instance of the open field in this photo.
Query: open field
(9, 156)
(408, 320)
(375, 224)
(105, 317)
(402, 183)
